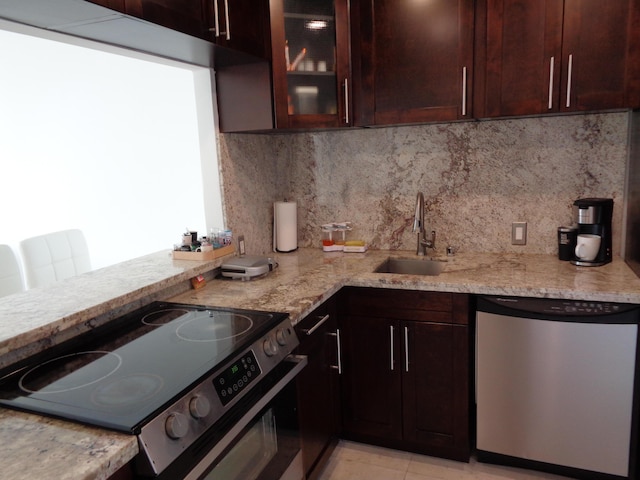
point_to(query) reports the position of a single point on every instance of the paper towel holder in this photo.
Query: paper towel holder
(287, 226)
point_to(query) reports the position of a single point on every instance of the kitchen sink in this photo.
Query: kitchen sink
(411, 266)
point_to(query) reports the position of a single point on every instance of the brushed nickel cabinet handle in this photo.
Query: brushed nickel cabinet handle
(551, 70)
(391, 343)
(216, 18)
(339, 351)
(406, 349)
(464, 91)
(338, 342)
(346, 101)
(226, 18)
(569, 75)
(317, 325)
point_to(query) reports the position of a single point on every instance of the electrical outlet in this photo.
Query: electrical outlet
(519, 233)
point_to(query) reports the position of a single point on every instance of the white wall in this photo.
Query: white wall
(109, 143)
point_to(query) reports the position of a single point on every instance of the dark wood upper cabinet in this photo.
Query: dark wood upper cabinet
(594, 54)
(633, 61)
(523, 38)
(310, 63)
(412, 61)
(240, 24)
(186, 16)
(553, 56)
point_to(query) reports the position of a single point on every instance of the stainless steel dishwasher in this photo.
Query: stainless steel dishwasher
(557, 385)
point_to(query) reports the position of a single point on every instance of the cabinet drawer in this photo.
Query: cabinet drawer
(437, 307)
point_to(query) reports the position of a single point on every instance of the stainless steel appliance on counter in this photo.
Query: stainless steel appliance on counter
(199, 386)
(557, 385)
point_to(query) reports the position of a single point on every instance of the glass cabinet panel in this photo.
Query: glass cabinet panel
(310, 51)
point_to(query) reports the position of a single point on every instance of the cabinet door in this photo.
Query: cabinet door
(310, 55)
(523, 56)
(633, 61)
(435, 387)
(371, 379)
(415, 60)
(316, 390)
(556, 56)
(186, 16)
(594, 54)
(241, 25)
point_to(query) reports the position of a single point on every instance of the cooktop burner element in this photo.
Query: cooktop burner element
(53, 375)
(212, 326)
(164, 316)
(127, 390)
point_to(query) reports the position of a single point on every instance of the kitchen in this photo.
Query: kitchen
(469, 164)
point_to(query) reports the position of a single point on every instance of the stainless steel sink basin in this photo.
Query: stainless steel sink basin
(411, 266)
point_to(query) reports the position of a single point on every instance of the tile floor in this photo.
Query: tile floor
(356, 461)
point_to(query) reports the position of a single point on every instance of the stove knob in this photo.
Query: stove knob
(270, 347)
(176, 425)
(199, 406)
(281, 337)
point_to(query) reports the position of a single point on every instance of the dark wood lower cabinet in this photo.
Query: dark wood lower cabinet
(405, 381)
(434, 387)
(317, 386)
(371, 385)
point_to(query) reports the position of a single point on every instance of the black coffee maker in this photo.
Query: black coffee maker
(593, 217)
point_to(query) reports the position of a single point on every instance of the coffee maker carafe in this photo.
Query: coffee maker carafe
(593, 244)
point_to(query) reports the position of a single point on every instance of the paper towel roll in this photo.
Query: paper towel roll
(285, 226)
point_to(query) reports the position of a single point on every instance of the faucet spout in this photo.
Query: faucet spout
(418, 225)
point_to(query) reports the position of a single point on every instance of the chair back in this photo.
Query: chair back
(10, 275)
(54, 256)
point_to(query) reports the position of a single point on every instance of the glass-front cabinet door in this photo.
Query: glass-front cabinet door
(310, 53)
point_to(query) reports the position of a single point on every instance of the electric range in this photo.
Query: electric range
(167, 372)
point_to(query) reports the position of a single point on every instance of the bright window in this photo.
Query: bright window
(120, 145)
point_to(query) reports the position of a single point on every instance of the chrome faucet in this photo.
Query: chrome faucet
(418, 227)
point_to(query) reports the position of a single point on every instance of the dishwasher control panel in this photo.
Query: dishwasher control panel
(550, 306)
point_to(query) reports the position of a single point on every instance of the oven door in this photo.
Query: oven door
(261, 440)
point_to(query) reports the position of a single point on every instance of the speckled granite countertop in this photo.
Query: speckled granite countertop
(35, 447)
(308, 277)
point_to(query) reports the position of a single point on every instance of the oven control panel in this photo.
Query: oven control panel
(172, 431)
(235, 378)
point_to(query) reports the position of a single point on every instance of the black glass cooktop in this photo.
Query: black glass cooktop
(119, 375)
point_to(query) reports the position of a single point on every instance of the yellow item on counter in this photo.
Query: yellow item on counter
(354, 243)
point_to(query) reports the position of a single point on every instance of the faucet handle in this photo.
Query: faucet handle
(430, 243)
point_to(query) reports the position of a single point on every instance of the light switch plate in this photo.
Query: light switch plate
(519, 233)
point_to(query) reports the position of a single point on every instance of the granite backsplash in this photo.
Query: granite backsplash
(477, 178)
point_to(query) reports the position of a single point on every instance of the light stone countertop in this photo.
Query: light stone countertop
(306, 278)
(35, 447)
(41, 317)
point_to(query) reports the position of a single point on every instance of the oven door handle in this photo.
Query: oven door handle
(300, 362)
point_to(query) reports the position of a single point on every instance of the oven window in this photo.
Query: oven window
(252, 452)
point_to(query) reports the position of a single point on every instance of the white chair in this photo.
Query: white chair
(54, 256)
(10, 276)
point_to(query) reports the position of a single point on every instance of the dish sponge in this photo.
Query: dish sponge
(357, 246)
